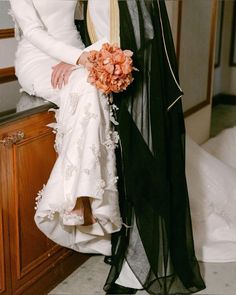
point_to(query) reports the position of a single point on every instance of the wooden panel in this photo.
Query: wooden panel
(5, 281)
(34, 159)
(6, 33)
(7, 75)
(2, 259)
(29, 163)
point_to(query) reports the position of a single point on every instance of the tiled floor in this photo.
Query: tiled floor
(220, 278)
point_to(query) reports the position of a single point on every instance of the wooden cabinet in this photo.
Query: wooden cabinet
(4, 253)
(29, 262)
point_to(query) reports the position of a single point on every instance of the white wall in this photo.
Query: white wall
(225, 76)
(198, 124)
(9, 95)
(9, 92)
(7, 52)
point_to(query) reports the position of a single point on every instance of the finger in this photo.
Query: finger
(53, 78)
(63, 72)
(67, 76)
(60, 81)
(55, 73)
(57, 77)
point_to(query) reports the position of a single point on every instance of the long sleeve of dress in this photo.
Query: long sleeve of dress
(35, 32)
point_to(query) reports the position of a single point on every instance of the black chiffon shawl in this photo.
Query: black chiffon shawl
(156, 240)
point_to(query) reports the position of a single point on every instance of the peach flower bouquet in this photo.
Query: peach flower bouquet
(110, 68)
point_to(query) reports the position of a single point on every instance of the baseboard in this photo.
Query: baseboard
(223, 98)
(8, 112)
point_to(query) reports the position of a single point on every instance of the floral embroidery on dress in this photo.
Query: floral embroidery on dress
(79, 144)
(74, 99)
(100, 188)
(70, 169)
(39, 197)
(88, 115)
(59, 130)
(112, 139)
(113, 111)
(86, 171)
(96, 152)
(111, 185)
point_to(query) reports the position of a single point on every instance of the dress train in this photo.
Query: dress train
(211, 175)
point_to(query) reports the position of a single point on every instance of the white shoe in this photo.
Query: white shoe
(72, 219)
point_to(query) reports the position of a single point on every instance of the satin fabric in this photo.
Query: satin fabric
(157, 241)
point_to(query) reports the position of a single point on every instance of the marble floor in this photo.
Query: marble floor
(220, 278)
(223, 116)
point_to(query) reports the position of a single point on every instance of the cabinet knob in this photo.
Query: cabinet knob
(13, 138)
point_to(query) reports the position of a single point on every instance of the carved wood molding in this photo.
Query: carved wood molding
(7, 75)
(7, 33)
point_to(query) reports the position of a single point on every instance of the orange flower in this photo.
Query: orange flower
(111, 68)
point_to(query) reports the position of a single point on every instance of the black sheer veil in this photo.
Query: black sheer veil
(157, 241)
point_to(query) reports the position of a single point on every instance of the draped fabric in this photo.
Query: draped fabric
(158, 242)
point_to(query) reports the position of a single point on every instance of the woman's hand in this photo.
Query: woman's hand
(83, 60)
(60, 74)
(62, 71)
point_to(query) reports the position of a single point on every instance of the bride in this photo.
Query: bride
(78, 207)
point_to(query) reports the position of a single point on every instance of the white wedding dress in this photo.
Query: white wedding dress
(85, 140)
(211, 177)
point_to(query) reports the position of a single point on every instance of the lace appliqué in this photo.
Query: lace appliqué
(112, 140)
(111, 185)
(59, 130)
(79, 145)
(88, 115)
(74, 99)
(86, 171)
(70, 169)
(100, 188)
(113, 111)
(39, 197)
(63, 210)
(96, 152)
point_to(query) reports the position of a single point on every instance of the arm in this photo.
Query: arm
(34, 31)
